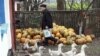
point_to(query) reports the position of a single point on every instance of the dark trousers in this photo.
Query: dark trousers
(49, 38)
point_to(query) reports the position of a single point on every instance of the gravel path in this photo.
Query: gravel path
(92, 50)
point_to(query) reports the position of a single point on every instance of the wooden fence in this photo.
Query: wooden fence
(90, 19)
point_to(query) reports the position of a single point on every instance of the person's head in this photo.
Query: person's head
(42, 7)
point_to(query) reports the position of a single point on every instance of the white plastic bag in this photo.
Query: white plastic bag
(47, 33)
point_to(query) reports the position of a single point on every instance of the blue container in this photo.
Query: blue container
(2, 12)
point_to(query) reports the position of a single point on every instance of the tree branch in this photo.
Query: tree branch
(65, 4)
(89, 5)
(82, 5)
(39, 3)
(71, 5)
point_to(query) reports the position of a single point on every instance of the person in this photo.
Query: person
(47, 23)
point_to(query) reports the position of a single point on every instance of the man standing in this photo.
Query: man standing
(46, 24)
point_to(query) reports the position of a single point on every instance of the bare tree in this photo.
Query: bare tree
(30, 5)
(60, 4)
(91, 3)
(71, 4)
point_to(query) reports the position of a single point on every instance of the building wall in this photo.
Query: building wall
(5, 41)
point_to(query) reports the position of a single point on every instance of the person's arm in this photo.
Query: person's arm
(43, 21)
(49, 20)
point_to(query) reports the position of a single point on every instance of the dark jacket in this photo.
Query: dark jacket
(46, 19)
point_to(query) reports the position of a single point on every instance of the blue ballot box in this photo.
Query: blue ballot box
(2, 12)
(3, 26)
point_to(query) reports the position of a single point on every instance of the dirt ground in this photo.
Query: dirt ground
(92, 50)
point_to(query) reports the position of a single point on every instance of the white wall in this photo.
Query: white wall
(5, 44)
(21, 5)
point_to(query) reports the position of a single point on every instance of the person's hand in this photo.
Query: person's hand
(46, 27)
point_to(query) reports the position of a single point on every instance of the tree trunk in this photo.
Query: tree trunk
(82, 5)
(60, 4)
(96, 4)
